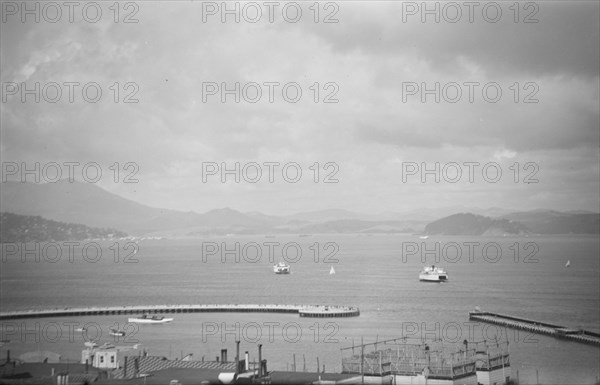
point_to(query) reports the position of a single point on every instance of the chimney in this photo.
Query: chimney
(247, 366)
(263, 366)
(136, 366)
(224, 355)
(125, 367)
(237, 357)
(8, 356)
(260, 373)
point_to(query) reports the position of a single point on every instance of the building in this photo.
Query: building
(397, 361)
(101, 357)
(493, 363)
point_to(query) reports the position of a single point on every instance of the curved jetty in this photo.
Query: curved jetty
(583, 336)
(302, 310)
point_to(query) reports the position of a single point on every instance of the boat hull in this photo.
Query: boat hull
(433, 278)
(149, 321)
(433, 274)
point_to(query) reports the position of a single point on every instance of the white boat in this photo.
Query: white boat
(148, 319)
(433, 274)
(568, 264)
(115, 332)
(281, 268)
(331, 271)
(423, 236)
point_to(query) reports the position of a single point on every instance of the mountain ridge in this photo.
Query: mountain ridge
(24, 228)
(90, 205)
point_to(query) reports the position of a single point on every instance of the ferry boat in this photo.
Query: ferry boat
(281, 268)
(433, 274)
(148, 319)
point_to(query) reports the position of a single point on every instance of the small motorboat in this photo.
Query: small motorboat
(433, 274)
(148, 319)
(116, 332)
(281, 268)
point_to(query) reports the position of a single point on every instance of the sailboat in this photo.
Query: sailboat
(568, 264)
(331, 271)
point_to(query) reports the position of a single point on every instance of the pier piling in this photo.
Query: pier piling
(557, 331)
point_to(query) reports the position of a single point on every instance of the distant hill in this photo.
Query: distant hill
(471, 224)
(554, 222)
(90, 205)
(432, 214)
(22, 228)
(329, 215)
(535, 222)
(77, 203)
(359, 226)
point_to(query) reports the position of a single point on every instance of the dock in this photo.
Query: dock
(557, 331)
(320, 311)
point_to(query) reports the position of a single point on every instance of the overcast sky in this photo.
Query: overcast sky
(374, 61)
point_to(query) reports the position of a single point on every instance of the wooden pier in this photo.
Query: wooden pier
(302, 310)
(557, 331)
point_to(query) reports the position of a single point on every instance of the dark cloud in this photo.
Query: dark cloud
(564, 41)
(368, 54)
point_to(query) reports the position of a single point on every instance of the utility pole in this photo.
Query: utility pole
(362, 360)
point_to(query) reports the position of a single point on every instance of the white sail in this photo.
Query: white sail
(331, 271)
(568, 263)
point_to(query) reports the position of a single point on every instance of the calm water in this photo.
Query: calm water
(371, 273)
